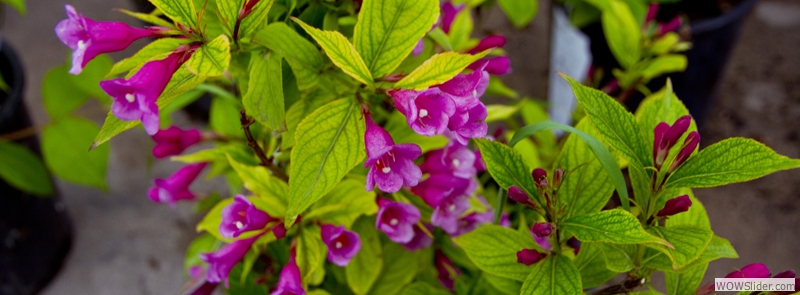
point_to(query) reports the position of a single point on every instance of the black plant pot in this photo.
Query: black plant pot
(35, 232)
(712, 42)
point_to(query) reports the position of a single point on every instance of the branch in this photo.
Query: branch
(623, 288)
(277, 172)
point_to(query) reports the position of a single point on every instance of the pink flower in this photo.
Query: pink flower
(135, 98)
(469, 124)
(449, 13)
(447, 212)
(667, 136)
(492, 41)
(242, 216)
(173, 141)
(689, 145)
(421, 239)
(89, 39)
(342, 244)
(447, 270)
(397, 220)
(427, 111)
(675, 206)
(751, 271)
(438, 187)
(221, 262)
(176, 187)
(290, 281)
(455, 159)
(390, 165)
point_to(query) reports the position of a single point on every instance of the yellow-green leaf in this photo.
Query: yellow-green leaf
(264, 97)
(341, 52)
(438, 69)
(211, 59)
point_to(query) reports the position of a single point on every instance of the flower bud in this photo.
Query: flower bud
(574, 244)
(518, 195)
(542, 229)
(750, 271)
(659, 144)
(529, 256)
(539, 178)
(786, 274)
(677, 130)
(675, 206)
(689, 145)
(492, 41)
(558, 177)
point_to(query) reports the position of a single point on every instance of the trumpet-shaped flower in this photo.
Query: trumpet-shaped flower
(173, 141)
(221, 262)
(421, 239)
(242, 216)
(342, 244)
(427, 111)
(290, 282)
(390, 165)
(176, 187)
(397, 220)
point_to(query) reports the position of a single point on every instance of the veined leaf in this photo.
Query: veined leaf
(344, 204)
(505, 285)
(688, 241)
(364, 268)
(622, 32)
(264, 97)
(717, 248)
(256, 19)
(387, 31)
(507, 166)
(555, 275)
(402, 271)
(618, 257)
(605, 158)
(311, 254)
(519, 12)
(23, 169)
(611, 226)
(494, 248)
(304, 58)
(329, 143)
(182, 81)
(148, 17)
(228, 12)
(591, 264)
(211, 59)
(272, 191)
(438, 69)
(180, 11)
(63, 148)
(158, 49)
(685, 283)
(423, 288)
(729, 161)
(341, 52)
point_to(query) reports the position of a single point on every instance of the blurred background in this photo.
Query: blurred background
(123, 243)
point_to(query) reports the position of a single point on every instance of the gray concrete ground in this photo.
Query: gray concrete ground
(126, 244)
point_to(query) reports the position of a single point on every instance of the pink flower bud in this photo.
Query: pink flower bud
(652, 11)
(751, 271)
(539, 178)
(518, 195)
(488, 42)
(173, 141)
(675, 206)
(529, 256)
(689, 145)
(558, 177)
(659, 144)
(542, 229)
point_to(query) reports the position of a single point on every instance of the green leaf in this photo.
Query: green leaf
(311, 255)
(402, 270)
(497, 87)
(507, 166)
(158, 49)
(618, 126)
(341, 52)
(365, 267)
(661, 106)
(59, 96)
(182, 81)
(587, 188)
(329, 143)
(618, 258)
(611, 226)
(19, 5)
(224, 116)
(494, 248)
(685, 283)
(228, 12)
(211, 59)
(438, 69)
(505, 285)
(152, 18)
(88, 80)
(600, 152)
(257, 179)
(344, 204)
(729, 161)
(591, 263)
(497, 112)
(256, 19)
(660, 65)
(519, 12)
(688, 241)
(23, 169)
(461, 30)
(180, 11)
(422, 288)
(555, 275)
(304, 58)
(387, 31)
(717, 248)
(441, 38)
(200, 244)
(64, 150)
(300, 110)
(264, 97)
(622, 32)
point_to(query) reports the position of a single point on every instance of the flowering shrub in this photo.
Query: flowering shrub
(305, 92)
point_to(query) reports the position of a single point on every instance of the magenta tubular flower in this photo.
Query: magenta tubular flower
(472, 221)
(667, 136)
(438, 187)
(173, 141)
(529, 256)
(421, 239)
(449, 12)
(290, 281)
(447, 270)
(670, 26)
(689, 145)
(652, 11)
(242, 216)
(247, 8)
(491, 41)
(448, 211)
(135, 98)
(342, 244)
(397, 220)
(466, 89)
(750, 271)
(427, 111)
(500, 65)
(221, 262)
(176, 187)
(455, 159)
(675, 206)
(470, 124)
(539, 178)
(544, 242)
(542, 229)
(480, 164)
(390, 165)
(88, 38)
